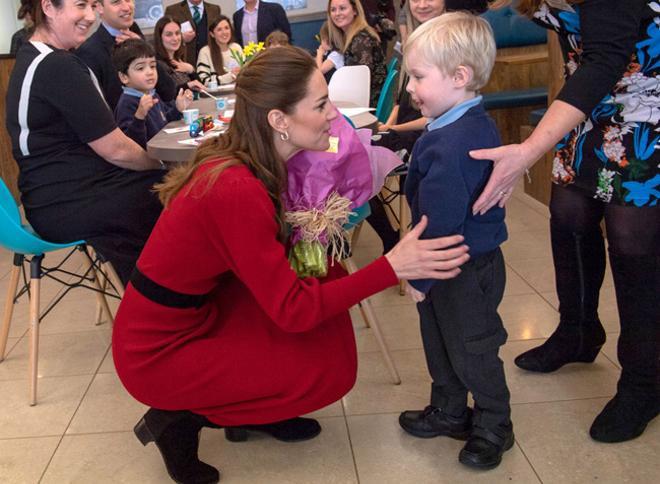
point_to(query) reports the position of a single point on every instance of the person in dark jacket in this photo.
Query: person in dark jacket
(197, 14)
(117, 25)
(256, 20)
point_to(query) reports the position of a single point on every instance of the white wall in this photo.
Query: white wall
(8, 23)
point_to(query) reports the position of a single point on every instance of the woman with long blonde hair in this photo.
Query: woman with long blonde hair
(215, 328)
(604, 123)
(352, 36)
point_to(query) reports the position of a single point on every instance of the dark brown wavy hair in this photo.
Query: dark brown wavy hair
(161, 52)
(273, 79)
(36, 12)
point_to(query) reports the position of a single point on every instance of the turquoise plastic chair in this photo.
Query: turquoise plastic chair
(27, 246)
(393, 64)
(387, 97)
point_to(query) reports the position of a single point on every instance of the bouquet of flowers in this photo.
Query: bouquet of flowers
(323, 188)
(249, 51)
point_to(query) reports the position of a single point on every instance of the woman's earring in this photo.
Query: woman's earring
(284, 136)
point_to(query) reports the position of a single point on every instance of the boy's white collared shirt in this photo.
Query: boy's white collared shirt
(453, 114)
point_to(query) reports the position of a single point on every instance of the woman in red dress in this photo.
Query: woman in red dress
(215, 328)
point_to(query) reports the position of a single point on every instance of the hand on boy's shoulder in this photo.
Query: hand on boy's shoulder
(147, 102)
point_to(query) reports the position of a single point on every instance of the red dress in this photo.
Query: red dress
(266, 346)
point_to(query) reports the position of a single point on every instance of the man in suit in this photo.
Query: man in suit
(200, 14)
(257, 19)
(117, 25)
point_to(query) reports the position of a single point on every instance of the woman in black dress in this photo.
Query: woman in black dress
(80, 176)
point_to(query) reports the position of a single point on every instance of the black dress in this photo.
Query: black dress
(54, 109)
(365, 50)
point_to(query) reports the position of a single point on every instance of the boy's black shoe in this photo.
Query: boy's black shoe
(432, 422)
(484, 448)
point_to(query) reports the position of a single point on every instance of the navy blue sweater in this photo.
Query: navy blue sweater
(142, 130)
(444, 182)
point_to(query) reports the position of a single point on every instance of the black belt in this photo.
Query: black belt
(164, 296)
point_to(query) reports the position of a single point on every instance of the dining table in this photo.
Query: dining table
(173, 143)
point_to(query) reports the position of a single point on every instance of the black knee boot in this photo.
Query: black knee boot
(176, 434)
(381, 224)
(579, 261)
(637, 400)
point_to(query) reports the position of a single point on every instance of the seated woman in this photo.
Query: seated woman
(80, 176)
(215, 328)
(215, 62)
(357, 41)
(169, 53)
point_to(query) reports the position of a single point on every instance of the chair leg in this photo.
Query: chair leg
(114, 278)
(373, 323)
(355, 236)
(9, 305)
(101, 301)
(404, 218)
(35, 288)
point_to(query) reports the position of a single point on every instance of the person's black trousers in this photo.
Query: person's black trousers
(462, 333)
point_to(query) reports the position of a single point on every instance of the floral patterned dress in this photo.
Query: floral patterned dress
(366, 51)
(615, 153)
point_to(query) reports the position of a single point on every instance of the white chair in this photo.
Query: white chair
(352, 85)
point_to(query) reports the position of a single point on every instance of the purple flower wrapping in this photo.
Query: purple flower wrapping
(355, 170)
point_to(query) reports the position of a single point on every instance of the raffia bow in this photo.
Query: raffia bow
(324, 224)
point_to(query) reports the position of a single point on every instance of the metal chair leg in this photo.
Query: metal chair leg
(9, 304)
(35, 288)
(114, 278)
(373, 323)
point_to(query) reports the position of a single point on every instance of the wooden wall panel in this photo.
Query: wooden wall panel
(539, 184)
(8, 167)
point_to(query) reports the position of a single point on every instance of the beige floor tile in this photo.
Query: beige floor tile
(11, 342)
(577, 380)
(539, 273)
(386, 454)
(333, 410)
(526, 245)
(521, 218)
(24, 460)
(108, 365)
(57, 400)
(107, 407)
(555, 439)
(527, 316)
(609, 348)
(374, 391)
(59, 355)
(106, 458)
(399, 325)
(76, 312)
(326, 459)
(516, 285)
(390, 297)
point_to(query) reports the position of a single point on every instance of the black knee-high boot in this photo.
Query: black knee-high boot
(579, 261)
(176, 434)
(637, 401)
(381, 224)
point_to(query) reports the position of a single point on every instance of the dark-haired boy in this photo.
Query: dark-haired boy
(140, 113)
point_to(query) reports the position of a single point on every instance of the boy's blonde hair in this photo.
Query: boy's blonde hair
(456, 39)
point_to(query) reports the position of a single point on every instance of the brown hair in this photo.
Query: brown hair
(161, 52)
(273, 79)
(36, 11)
(341, 40)
(216, 54)
(277, 37)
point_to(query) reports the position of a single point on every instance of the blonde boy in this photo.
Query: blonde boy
(449, 59)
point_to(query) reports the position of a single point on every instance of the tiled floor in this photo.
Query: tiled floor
(80, 431)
